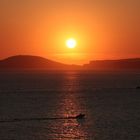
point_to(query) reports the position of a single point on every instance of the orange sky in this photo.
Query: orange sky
(104, 29)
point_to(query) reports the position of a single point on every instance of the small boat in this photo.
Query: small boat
(80, 116)
(138, 87)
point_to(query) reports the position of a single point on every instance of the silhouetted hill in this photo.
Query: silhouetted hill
(22, 62)
(122, 64)
(31, 62)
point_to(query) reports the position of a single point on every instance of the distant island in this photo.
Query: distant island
(114, 65)
(27, 62)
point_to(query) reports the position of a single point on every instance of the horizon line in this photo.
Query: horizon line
(127, 58)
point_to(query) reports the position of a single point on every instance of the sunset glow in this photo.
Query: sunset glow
(72, 31)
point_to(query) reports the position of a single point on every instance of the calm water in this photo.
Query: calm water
(109, 100)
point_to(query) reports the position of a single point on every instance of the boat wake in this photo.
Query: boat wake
(80, 116)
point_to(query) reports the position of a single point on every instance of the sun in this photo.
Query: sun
(71, 43)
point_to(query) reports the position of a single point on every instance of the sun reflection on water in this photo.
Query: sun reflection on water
(70, 106)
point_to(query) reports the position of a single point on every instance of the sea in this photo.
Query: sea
(42, 105)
